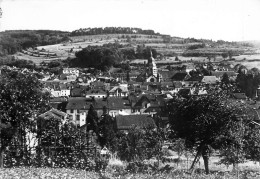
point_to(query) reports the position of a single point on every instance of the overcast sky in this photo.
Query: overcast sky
(232, 20)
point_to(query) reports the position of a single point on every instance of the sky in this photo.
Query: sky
(231, 20)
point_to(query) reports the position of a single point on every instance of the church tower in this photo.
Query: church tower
(152, 66)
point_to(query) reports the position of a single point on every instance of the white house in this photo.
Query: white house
(65, 92)
(119, 91)
(210, 79)
(55, 93)
(77, 109)
(96, 94)
(71, 71)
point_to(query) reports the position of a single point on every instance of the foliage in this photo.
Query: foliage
(252, 142)
(97, 57)
(107, 135)
(53, 64)
(108, 55)
(179, 147)
(13, 41)
(92, 119)
(225, 79)
(224, 55)
(192, 47)
(205, 122)
(64, 145)
(111, 30)
(12, 62)
(21, 99)
(248, 82)
(138, 144)
(143, 52)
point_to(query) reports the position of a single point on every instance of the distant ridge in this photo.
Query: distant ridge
(112, 30)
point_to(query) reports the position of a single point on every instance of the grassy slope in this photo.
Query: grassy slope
(155, 41)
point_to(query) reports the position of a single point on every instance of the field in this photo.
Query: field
(117, 169)
(63, 51)
(114, 172)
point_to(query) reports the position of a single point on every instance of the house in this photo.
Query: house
(105, 79)
(55, 114)
(122, 76)
(86, 79)
(180, 76)
(63, 76)
(151, 86)
(167, 85)
(219, 74)
(119, 91)
(194, 79)
(117, 106)
(141, 121)
(166, 75)
(73, 71)
(100, 85)
(55, 93)
(72, 77)
(210, 80)
(198, 91)
(77, 108)
(96, 94)
(139, 105)
(114, 105)
(77, 92)
(64, 91)
(113, 70)
(239, 96)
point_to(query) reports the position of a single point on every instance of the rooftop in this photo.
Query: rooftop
(128, 121)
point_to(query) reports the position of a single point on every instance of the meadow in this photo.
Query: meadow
(175, 167)
(117, 170)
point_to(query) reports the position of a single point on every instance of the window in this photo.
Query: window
(77, 118)
(77, 110)
(71, 111)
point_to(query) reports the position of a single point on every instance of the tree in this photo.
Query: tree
(92, 119)
(241, 80)
(248, 83)
(127, 76)
(224, 55)
(60, 143)
(252, 142)
(230, 54)
(225, 79)
(140, 144)
(101, 58)
(106, 131)
(21, 98)
(203, 122)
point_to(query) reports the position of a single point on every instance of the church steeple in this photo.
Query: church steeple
(152, 66)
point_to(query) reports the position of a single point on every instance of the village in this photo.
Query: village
(131, 97)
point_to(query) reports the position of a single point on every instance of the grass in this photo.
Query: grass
(116, 169)
(53, 173)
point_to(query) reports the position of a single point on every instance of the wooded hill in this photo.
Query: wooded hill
(16, 40)
(13, 41)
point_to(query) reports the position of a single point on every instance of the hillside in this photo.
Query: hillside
(46, 45)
